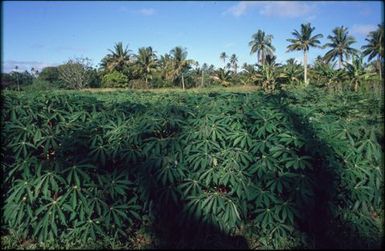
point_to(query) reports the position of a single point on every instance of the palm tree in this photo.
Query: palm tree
(292, 71)
(180, 63)
(248, 74)
(222, 76)
(228, 66)
(302, 42)
(223, 57)
(146, 63)
(234, 61)
(268, 74)
(118, 59)
(248, 68)
(166, 66)
(375, 47)
(261, 44)
(326, 74)
(17, 77)
(204, 69)
(340, 46)
(356, 72)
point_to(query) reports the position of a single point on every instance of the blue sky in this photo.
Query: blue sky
(38, 34)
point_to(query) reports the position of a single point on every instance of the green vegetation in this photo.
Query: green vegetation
(121, 68)
(294, 168)
(266, 155)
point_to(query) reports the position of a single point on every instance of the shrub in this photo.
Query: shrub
(50, 74)
(114, 79)
(40, 85)
(95, 79)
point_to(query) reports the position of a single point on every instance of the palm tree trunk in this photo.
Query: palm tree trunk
(182, 81)
(340, 61)
(17, 80)
(146, 83)
(305, 65)
(202, 80)
(379, 66)
(356, 86)
(263, 58)
(259, 57)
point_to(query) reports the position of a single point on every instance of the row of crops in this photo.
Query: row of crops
(300, 167)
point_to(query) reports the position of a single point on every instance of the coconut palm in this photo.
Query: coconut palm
(302, 41)
(204, 69)
(234, 61)
(118, 59)
(146, 63)
(340, 46)
(223, 56)
(261, 44)
(375, 46)
(166, 67)
(180, 63)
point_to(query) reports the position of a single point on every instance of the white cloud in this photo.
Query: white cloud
(286, 9)
(240, 8)
(9, 65)
(143, 11)
(274, 9)
(146, 12)
(363, 29)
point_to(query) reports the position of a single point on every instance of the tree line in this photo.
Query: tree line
(342, 66)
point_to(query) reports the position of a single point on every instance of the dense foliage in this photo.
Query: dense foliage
(283, 169)
(121, 68)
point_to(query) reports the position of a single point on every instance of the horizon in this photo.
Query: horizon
(41, 34)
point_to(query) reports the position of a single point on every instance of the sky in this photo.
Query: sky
(39, 34)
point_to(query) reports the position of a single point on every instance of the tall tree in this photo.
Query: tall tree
(76, 73)
(234, 62)
(166, 66)
(118, 59)
(146, 63)
(223, 57)
(302, 41)
(340, 46)
(261, 44)
(180, 63)
(17, 77)
(375, 47)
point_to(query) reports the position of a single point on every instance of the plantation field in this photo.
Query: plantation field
(239, 88)
(239, 168)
